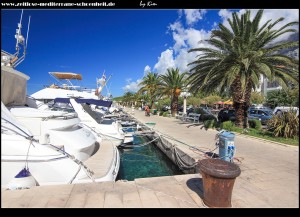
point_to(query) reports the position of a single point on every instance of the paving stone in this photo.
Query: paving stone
(113, 199)
(77, 200)
(39, 202)
(167, 201)
(57, 201)
(132, 204)
(20, 202)
(95, 200)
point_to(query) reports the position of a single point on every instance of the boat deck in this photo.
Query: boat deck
(102, 160)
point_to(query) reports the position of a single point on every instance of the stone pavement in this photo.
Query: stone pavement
(160, 192)
(270, 172)
(269, 178)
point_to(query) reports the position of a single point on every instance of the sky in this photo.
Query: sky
(126, 44)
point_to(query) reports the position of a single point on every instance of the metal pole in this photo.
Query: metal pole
(184, 105)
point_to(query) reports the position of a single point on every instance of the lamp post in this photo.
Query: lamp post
(184, 95)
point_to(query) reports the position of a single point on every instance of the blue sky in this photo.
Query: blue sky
(125, 43)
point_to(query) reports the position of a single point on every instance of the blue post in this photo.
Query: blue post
(226, 145)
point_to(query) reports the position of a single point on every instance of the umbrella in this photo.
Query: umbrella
(228, 102)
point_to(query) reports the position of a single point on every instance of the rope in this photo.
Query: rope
(88, 172)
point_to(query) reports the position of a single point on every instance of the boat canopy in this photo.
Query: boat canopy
(88, 101)
(66, 75)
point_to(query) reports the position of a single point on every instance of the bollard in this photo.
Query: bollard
(218, 179)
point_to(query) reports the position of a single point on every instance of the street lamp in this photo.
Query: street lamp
(184, 95)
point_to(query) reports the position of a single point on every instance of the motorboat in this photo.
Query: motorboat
(91, 114)
(47, 164)
(49, 145)
(108, 129)
(65, 89)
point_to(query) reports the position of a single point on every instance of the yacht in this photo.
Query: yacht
(90, 110)
(51, 144)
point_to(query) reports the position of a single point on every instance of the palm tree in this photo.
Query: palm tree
(172, 84)
(150, 85)
(128, 98)
(240, 55)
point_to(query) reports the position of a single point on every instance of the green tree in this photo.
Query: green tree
(281, 98)
(210, 100)
(172, 84)
(128, 98)
(257, 98)
(240, 54)
(150, 85)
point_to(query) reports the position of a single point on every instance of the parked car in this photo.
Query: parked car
(165, 108)
(280, 109)
(204, 114)
(226, 115)
(261, 114)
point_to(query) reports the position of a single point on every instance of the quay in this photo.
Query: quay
(269, 177)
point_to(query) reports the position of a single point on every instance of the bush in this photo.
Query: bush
(210, 123)
(161, 113)
(227, 125)
(165, 114)
(284, 125)
(256, 124)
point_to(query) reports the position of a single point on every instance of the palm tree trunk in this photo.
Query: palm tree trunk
(236, 89)
(247, 102)
(174, 105)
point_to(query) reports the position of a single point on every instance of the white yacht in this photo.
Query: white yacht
(65, 89)
(89, 115)
(49, 143)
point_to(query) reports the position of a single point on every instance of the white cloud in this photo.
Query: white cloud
(186, 38)
(224, 14)
(146, 70)
(178, 56)
(215, 25)
(165, 61)
(183, 59)
(193, 15)
(132, 86)
(195, 37)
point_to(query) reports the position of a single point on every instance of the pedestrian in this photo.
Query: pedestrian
(147, 110)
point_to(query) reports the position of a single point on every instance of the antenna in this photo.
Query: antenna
(18, 36)
(27, 31)
(20, 39)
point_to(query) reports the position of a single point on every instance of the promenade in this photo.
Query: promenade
(270, 171)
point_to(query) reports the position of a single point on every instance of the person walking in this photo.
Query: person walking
(147, 110)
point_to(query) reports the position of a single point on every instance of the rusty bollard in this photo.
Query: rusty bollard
(218, 179)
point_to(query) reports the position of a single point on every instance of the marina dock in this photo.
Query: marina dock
(269, 177)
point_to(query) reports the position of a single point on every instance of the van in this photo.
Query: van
(280, 109)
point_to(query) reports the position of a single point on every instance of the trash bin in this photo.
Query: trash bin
(218, 179)
(226, 145)
(154, 112)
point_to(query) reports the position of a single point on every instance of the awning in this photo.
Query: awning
(66, 75)
(87, 101)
